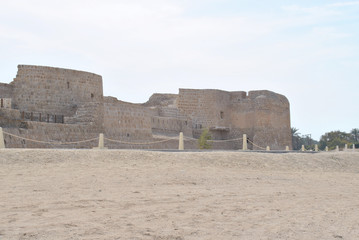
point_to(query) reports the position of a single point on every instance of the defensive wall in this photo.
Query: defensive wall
(167, 119)
(126, 121)
(54, 90)
(62, 105)
(263, 115)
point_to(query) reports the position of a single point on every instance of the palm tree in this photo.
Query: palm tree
(296, 139)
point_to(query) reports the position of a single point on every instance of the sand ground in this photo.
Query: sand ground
(120, 194)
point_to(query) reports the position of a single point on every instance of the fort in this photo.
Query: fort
(62, 105)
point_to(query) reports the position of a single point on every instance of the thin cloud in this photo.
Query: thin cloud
(343, 4)
(315, 11)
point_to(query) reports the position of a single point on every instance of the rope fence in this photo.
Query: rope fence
(190, 139)
(52, 142)
(180, 140)
(140, 143)
(227, 140)
(210, 140)
(101, 140)
(257, 145)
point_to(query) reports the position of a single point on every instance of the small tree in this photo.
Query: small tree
(203, 141)
(333, 139)
(355, 134)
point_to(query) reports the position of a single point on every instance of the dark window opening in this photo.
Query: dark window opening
(92, 96)
(222, 115)
(128, 135)
(68, 85)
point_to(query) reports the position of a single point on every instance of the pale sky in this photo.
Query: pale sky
(307, 50)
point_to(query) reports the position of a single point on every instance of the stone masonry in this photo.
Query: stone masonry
(62, 105)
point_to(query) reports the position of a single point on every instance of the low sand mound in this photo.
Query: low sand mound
(309, 161)
(122, 194)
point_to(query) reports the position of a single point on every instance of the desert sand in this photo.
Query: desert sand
(123, 194)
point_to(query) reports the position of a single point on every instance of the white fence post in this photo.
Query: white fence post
(303, 149)
(101, 142)
(345, 147)
(316, 148)
(287, 148)
(337, 148)
(267, 148)
(2, 142)
(244, 142)
(181, 143)
(326, 149)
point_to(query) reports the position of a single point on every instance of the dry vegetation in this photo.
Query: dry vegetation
(120, 194)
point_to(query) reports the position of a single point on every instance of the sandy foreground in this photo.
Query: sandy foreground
(121, 194)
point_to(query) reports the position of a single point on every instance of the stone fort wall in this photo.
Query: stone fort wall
(51, 132)
(263, 115)
(171, 126)
(126, 121)
(6, 90)
(76, 109)
(57, 91)
(206, 108)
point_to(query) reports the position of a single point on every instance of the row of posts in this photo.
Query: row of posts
(326, 148)
(101, 143)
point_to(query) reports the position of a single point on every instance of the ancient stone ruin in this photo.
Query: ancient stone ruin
(53, 105)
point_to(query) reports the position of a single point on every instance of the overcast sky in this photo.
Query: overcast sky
(307, 50)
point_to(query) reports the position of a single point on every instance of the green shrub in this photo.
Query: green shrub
(204, 140)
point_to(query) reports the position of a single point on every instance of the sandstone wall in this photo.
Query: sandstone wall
(206, 108)
(160, 99)
(55, 90)
(50, 132)
(263, 115)
(272, 120)
(6, 90)
(171, 126)
(126, 121)
(43, 97)
(10, 118)
(242, 117)
(166, 118)
(5, 103)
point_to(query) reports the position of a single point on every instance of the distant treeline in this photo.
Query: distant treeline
(329, 139)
